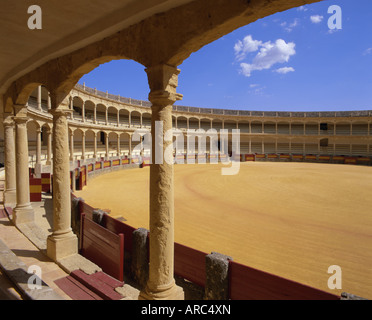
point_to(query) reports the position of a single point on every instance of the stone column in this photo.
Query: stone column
(95, 146)
(163, 82)
(62, 242)
(49, 147)
(83, 145)
(38, 153)
(118, 146)
(95, 115)
(118, 119)
(71, 145)
(38, 146)
(23, 211)
(39, 98)
(83, 111)
(107, 145)
(49, 101)
(129, 120)
(10, 197)
(130, 147)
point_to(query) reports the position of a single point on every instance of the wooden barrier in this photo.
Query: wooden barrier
(90, 167)
(350, 160)
(145, 162)
(189, 264)
(83, 177)
(106, 164)
(272, 157)
(251, 284)
(191, 158)
(35, 189)
(115, 162)
(135, 160)
(77, 179)
(103, 247)
(297, 157)
(223, 157)
(213, 157)
(260, 157)
(284, 157)
(338, 159)
(310, 157)
(364, 160)
(180, 158)
(45, 182)
(324, 158)
(124, 161)
(98, 166)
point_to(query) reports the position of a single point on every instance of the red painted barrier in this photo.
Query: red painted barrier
(350, 160)
(145, 162)
(125, 161)
(35, 189)
(297, 157)
(189, 264)
(98, 166)
(83, 177)
(272, 156)
(103, 247)
(284, 156)
(251, 284)
(250, 157)
(115, 162)
(90, 167)
(45, 182)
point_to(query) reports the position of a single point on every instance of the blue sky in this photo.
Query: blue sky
(290, 61)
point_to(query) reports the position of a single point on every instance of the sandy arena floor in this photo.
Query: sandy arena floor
(290, 219)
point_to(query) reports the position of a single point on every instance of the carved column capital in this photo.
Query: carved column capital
(163, 82)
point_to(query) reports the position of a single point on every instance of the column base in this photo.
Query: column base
(173, 293)
(23, 214)
(59, 248)
(10, 198)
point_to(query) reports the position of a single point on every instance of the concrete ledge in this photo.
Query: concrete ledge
(16, 270)
(78, 262)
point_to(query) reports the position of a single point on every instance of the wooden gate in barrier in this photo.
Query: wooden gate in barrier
(102, 247)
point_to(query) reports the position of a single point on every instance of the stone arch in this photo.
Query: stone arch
(112, 116)
(146, 119)
(101, 113)
(89, 110)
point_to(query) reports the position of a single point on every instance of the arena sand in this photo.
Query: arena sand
(290, 219)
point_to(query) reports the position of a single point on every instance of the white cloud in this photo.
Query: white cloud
(284, 70)
(302, 8)
(268, 55)
(367, 51)
(292, 25)
(316, 19)
(247, 45)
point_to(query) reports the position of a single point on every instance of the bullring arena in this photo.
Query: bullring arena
(298, 205)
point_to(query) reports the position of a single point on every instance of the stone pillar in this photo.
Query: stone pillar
(49, 101)
(49, 147)
(130, 148)
(71, 145)
(83, 111)
(217, 271)
(106, 117)
(10, 197)
(95, 115)
(39, 98)
(38, 146)
(163, 82)
(129, 120)
(62, 242)
(83, 145)
(107, 145)
(118, 146)
(95, 145)
(23, 211)
(118, 119)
